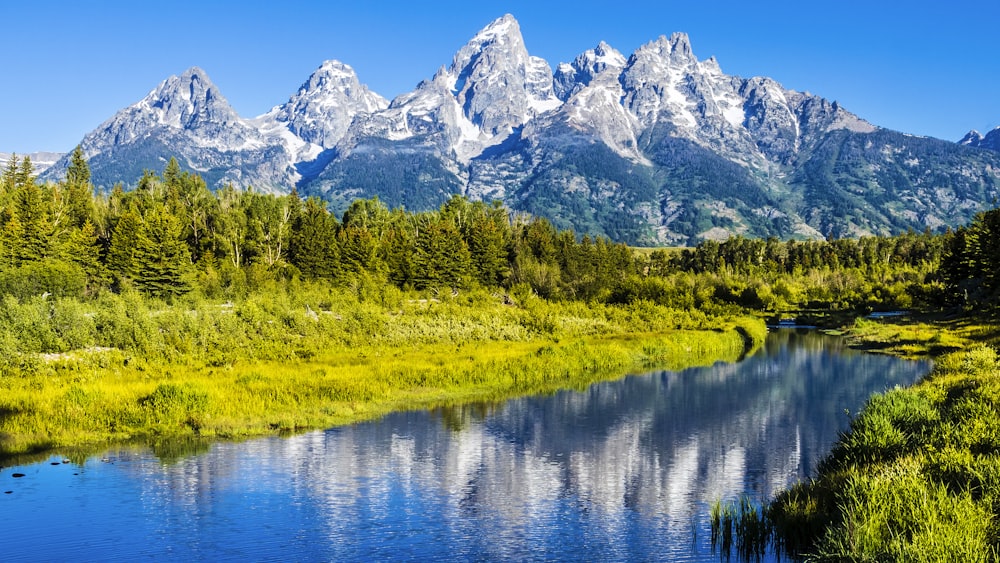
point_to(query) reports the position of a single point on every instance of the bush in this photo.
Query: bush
(48, 276)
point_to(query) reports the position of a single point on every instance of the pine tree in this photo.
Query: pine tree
(78, 172)
(79, 191)
(487, 235)
(25, 173)
(10, 239)
(126, 238)
(35, 228)
(8, 183)
(83, 248)
(359, 251)
(312, 248)
(163, 260)
(397, 251)
(172, 175)
(441, 257)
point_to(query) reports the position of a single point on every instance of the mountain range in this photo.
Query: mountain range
(658, 147)
(40, 161)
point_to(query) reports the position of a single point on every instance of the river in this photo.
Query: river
(622, 471)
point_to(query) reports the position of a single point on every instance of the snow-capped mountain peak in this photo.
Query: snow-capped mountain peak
(492, 87)
(972, 138)
(976, 139)
(188, 104)
(189, 100)
(570, 78)
(498, 85)
(326, 104)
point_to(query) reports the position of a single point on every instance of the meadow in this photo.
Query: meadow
(299, 356)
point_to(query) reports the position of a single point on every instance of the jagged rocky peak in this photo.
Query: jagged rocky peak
(992, 140)
(675, 49)
(498, 85)
(327, 103)
(666, 85)
(491, 88)
(820, 115)
(336, 78)
(189, 100)
(570, 78)
(183, 103)
(769, 118)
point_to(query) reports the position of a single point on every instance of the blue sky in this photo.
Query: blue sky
(927, 68)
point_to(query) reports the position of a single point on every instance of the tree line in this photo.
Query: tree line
(970, 262)
(171, 235)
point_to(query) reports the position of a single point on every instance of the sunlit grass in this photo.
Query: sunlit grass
(303, 360)
(917, 475)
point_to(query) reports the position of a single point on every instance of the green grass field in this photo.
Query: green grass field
(146, 370)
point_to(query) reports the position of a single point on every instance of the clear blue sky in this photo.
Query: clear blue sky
(922, 67)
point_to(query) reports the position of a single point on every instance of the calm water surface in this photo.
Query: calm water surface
(624, 471)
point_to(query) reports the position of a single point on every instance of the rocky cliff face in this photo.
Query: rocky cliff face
(659, 147)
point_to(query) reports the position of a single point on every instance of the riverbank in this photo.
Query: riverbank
(917, 476)
(305, 359)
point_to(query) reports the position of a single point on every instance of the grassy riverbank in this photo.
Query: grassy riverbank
(917, 476)
(123, 367)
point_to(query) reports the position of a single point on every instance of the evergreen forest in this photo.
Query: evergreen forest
(171, 237)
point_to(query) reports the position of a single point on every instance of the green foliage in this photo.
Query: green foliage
(915, 478)
(123, 253)
(44, 277)
(162, 259)
(970, 266)
(169, 399)
(870, 273)
(441, 257)
(312, 247)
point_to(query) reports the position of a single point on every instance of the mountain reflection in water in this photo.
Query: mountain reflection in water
(624, 470)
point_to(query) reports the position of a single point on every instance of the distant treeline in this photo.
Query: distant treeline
(172, 235)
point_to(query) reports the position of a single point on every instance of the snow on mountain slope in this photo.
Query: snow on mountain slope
(320, 113)
(492, 87)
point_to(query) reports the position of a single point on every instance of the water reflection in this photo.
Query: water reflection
(622, 471)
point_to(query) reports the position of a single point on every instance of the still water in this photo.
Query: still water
(623, 471)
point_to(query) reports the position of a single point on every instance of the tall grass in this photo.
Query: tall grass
(309, 356)
(741, 526)
(915, 478)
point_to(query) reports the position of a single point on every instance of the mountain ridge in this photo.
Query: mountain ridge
(990, 140)
(655, 148)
